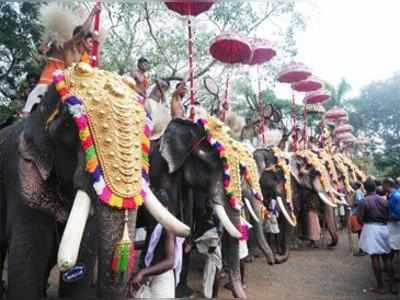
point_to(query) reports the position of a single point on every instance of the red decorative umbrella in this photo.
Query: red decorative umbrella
(315, 97)
(190, 8)
(310, 84)
(231, 49)
(262, 51)
(343, 129)
(342, 120)
(336, 113)
(294, 72)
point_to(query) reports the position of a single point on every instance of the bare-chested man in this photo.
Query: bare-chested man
(140, 76)
(72, 51)
(177, 109)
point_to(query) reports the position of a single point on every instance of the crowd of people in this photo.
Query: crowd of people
(376, 219)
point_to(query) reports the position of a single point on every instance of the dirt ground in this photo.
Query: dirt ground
(309, 274)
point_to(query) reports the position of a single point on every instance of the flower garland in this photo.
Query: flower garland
(78, 112)
(222, 143)
(313, 160)
(282, 164)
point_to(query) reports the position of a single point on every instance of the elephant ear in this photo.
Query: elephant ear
(178, 141)
(34, 142)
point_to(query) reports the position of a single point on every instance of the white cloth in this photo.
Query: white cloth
(154, 239)
(34, 97)
(160, 286)
(394, 235)
(374, 239)
(243, 249)
(271, 225)
(210, 239)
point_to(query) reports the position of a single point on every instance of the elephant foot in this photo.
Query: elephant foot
(249, 259)
(237, 287)
(2, 289)
(183, 291)
(333, 243)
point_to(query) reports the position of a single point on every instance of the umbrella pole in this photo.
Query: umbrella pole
(261, 105)
(225, 104)
(191, 79)
(305, 130)
(95, 48)
(294, 129)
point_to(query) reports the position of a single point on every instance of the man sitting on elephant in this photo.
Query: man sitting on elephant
(61, 53)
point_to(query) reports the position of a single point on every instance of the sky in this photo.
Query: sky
(353, 39)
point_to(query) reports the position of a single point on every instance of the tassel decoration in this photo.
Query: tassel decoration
(124, 253)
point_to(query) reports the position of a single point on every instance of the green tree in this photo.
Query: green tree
(338, 94)
(19, 36)
(375, 114)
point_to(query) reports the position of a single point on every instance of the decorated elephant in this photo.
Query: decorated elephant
(200, 158)
(313, 182)
(72, 176)
(276, 184)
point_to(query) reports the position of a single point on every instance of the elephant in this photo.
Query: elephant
(312, 182)
(275, 182)
(187, 166)
(44, 179)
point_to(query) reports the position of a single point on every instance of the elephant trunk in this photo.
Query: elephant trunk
(283, 256)
(110, 226)
(257, 226)
(217, 193)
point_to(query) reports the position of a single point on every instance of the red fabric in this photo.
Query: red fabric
(262, 51)
(308, 85)
(230, 49)
(189, 7)
(355, 226)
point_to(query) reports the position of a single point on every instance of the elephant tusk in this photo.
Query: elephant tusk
(340, 195)
(163, 216)
(226, 222)
(250, 208)
(73, 233)
(325, 199)
(285, 212)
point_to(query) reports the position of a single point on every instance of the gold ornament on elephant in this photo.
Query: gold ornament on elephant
(116, 121)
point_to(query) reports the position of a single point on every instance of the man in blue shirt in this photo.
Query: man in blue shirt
(393, 197)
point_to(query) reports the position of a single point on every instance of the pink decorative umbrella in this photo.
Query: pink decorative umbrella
(344, 136)
(190, 8)
(315, 97)
(262, 51)
(343, 129)
(310, 84)
(231, 49)
(294, 72)
(336, 113)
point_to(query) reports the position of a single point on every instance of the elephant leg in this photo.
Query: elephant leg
(31, 252)
(282, 247)
(183, 290)
(82, 289)
(331, 225)
(230, 255)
